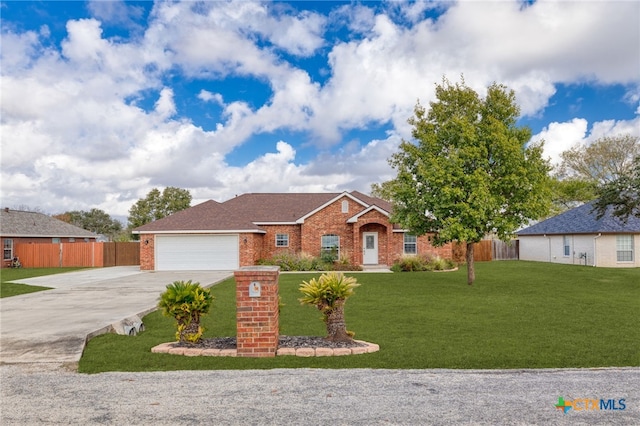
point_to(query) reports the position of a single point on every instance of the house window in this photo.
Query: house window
(55, 240)
(282, 240)
(8, 249)
(331, 244)
(345, 206)
(567, 246)
(410, 244)
(72, 240)
(624, 248)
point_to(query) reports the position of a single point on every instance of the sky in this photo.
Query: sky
(102, 101)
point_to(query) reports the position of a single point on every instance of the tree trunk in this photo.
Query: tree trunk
(191, 329)
(336, 325)
(471, 271)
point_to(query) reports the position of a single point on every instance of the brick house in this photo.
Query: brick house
(250, 227)
(23, 227)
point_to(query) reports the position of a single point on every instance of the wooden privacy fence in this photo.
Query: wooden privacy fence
(488, 250)
(77, 254)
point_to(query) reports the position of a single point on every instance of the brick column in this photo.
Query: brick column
(257, 315)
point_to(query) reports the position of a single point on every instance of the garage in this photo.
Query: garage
(196, 252)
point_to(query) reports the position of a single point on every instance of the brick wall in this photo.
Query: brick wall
(269, 240)
(424, 247)
(331, 220)
(147, 252)
(257, 318)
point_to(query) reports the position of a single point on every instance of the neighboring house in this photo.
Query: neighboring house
(250, 227)
(578, 237)
(21, 227)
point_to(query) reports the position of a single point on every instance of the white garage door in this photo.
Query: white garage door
(196, 252)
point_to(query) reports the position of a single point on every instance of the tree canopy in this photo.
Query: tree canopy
(470, 171)
(602, 161)
(586, 169)
(94, 220)
(157, 205)
(622, 194)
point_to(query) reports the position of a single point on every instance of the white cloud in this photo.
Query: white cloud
(96, 123)
(207, 96)
(559, 137)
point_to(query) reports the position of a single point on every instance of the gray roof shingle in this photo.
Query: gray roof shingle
(17, 223)
(583, 220)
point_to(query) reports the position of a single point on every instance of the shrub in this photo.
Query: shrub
(328, 261)
(329, 293)
(290, 261)
(422, 263)
(186, 302)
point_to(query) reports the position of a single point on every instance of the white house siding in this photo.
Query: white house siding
(599, 250)
(535, 248)
(607, 256)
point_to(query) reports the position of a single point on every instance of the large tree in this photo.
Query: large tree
(94, 220)
(157, 205)
(470, 171)
(622, 194)
(602, 161)
(586, 169)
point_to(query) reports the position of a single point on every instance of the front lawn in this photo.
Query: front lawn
(10, 278)
(517, 315)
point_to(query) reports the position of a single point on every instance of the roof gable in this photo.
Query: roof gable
(331, 201)
(354, 219)
(17, 223)
(247, 211)
(583, 220)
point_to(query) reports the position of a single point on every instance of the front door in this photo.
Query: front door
(370, 248)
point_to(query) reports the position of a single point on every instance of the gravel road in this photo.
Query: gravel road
(33, 394)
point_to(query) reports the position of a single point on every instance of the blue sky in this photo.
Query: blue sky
(103, 101)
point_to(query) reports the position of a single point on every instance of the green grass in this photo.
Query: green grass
(10, 278)
(517, 315)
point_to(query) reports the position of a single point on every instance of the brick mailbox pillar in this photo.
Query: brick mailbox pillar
(257, 315)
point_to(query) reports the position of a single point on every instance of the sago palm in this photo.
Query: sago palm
(329, 293)
(186, 302)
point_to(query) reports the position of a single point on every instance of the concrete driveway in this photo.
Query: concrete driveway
(53, 326)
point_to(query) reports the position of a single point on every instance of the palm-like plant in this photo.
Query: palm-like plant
(329, 293)
(186, 302)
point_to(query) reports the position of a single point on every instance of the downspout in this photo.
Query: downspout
(595, 251)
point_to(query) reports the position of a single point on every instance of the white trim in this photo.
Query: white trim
(47, 236)
(221, 231)
(354, 219)
(333, 200)
(274, 223)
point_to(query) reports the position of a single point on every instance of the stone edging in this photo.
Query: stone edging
(168, 348)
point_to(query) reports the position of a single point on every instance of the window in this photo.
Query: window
(567, 246)
(282, 240)
(345, 206)
(8, 249)
(55, 240)
(410, 244)
(331, 244)
(72, 240)
(624, 248)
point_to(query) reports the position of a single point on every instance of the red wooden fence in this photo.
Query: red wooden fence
(92, 255)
